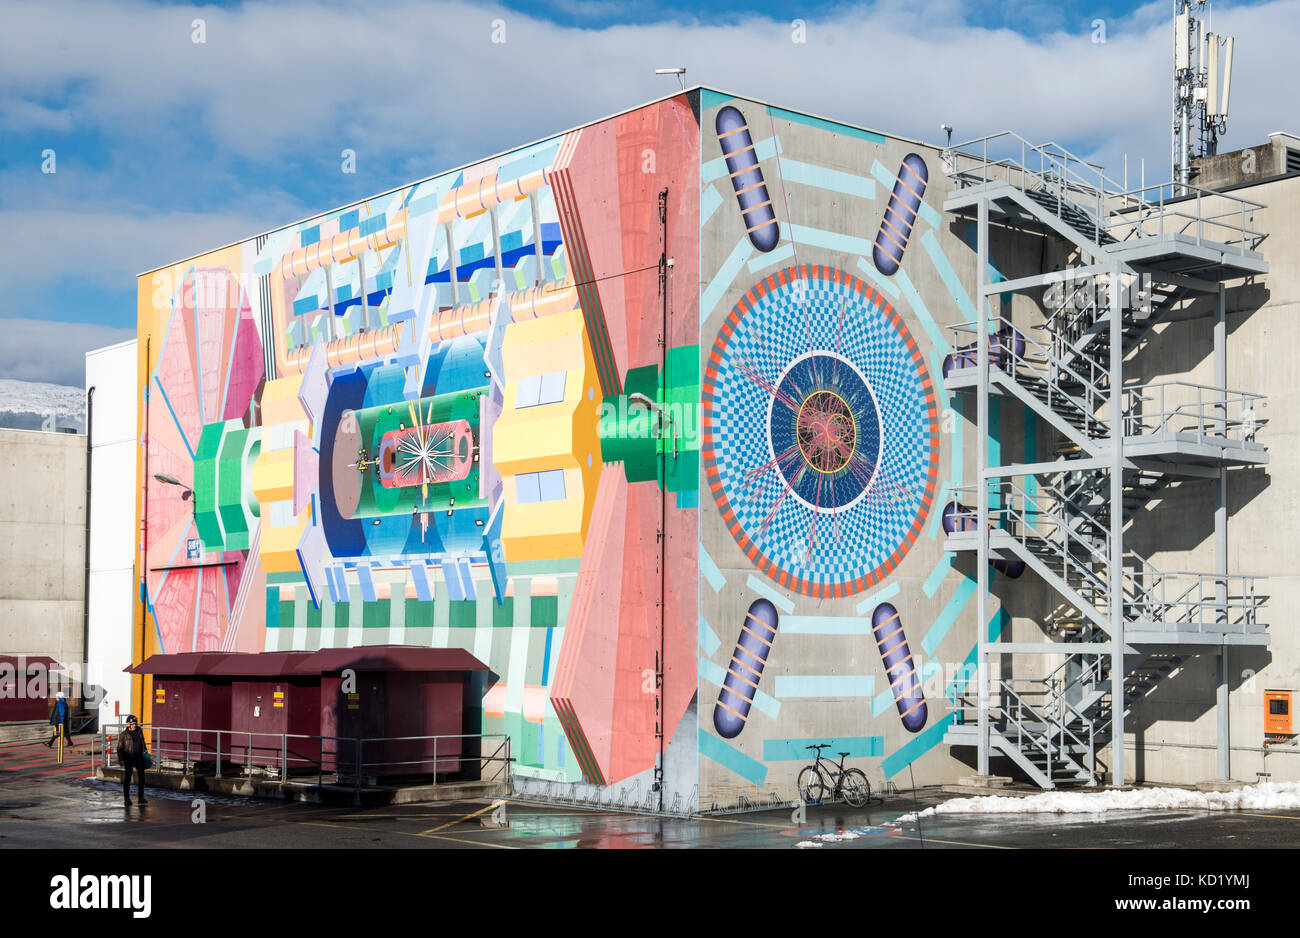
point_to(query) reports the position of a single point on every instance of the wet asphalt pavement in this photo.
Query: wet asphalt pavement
(46, 805)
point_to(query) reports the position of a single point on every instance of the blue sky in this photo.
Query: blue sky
(165, 147)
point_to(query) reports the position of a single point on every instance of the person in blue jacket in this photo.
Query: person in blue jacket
(59, 717)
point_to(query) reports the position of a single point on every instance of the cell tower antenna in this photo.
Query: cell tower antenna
(1200, 99)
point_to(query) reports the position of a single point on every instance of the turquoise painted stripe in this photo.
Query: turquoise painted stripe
(948, 275)
(758, 586)
(937, 574)
(710, 98)
(823, 177)
(967, 672)
(995, 446)
(725, 275)
(716, 674)
(885, 283)
(882, 701)
(1031, 456)
(965, 590)
(936, 513)
(709, 640)
(883, 176)
(823, 124)
(772, 257)
(825, 625)
(709, 202)
(931, 215)
(825, 685)
(796, 750)
(711, 571)
(728, 756)
(909, 752)
(923, 313)
(830, 240)
(763, 150)
(872, 600)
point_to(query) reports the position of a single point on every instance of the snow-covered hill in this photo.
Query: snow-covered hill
(28, 405)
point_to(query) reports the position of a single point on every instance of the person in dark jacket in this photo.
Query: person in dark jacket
(131, 750)
(59, 717)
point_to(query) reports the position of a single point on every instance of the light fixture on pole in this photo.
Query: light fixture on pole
(679, 72)
(165, 479)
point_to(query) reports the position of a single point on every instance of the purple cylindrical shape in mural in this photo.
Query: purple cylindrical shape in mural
(747, 179)
(960, 518)
(1008, 342)
(900, 669)
(900, 215)
(746, 668)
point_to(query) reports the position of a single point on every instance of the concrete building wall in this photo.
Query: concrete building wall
(1175, 727)
(42, 540)
(113, 594)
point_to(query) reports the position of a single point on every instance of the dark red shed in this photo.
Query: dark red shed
(402, 691)
(191, 701)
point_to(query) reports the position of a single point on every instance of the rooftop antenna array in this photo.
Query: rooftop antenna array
(1200, 103)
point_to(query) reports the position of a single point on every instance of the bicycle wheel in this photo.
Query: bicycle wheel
(811, 787)
(856, 788)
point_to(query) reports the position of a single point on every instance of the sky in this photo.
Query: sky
(163, 146)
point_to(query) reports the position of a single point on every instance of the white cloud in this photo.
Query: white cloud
(53, 352)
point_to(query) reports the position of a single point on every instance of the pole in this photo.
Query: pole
(981, 488)
(1221, 536)
(1116, 602)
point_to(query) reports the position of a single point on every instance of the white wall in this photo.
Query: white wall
(113, 591)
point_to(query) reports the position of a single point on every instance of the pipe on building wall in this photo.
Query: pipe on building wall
(85, 595)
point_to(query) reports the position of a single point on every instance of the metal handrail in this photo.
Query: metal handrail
(1215, 412)
(1123, 213)
(288, 761)
(1148, 593)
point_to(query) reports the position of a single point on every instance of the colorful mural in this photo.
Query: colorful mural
(477, 412)
(436, 418)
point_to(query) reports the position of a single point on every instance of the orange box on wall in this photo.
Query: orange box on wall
(1277, 712)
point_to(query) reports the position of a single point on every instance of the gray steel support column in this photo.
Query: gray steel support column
(981, 489)
(1116, 599)
(1223, 740)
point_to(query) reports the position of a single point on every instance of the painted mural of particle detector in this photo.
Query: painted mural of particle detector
(900, 668)
(757, 633)
(747, 179)
(900, 215)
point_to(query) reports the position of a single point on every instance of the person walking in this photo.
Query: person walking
(59, 718)
(132, 753)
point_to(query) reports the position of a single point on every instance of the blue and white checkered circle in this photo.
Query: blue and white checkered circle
(855, 534)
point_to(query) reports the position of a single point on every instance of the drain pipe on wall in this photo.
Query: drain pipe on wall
(85, 595)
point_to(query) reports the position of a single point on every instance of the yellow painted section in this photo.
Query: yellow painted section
(561, 435)
(273, 475)
(280, 544)
(280, 402)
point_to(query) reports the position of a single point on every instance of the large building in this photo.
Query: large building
(675, 421)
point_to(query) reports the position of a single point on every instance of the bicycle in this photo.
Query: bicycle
(816, 779)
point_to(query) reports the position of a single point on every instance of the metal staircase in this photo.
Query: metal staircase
(1137, 257)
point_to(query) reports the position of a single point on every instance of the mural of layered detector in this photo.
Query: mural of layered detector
(437, 419)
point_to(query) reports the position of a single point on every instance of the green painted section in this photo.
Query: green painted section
(375, 615)
(313, 615)
(637, 436)
(374, 422)
(543, 567)
(462, 614)
(286, 614)
(419, 615)
(206, 519)
(238, 449)
(503, 616)
(544, 612)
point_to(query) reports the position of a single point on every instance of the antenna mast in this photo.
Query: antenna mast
(1200, 116)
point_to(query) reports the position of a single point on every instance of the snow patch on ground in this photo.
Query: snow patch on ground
(1264, 796)
(807, 843)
